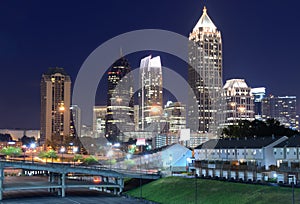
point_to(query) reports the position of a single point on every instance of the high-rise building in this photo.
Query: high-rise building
(176, 116)
(239, 101)
(258, 93)
(136, 117)
(205, 75)
(281, 108)
(75, 120)
(99, 115)
(151, 94)
(55, 107)
(119, 116)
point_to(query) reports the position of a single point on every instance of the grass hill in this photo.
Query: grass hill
(177, 190)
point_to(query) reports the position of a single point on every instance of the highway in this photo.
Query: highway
(78, 195)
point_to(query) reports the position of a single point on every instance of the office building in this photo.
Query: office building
(99, 115)
(176, 116)
(55, 107)
(205, 76)
(239, 101)
(119, 116)
(281, 108)
(75, 120)
(136, 110)
(151, 94)
(258, 93)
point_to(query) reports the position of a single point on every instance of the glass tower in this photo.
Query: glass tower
(119, 116)
(151, 93)
(205, 76)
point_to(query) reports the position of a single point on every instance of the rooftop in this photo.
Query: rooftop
(254, 143)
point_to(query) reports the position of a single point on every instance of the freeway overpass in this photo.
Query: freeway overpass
(110, 178)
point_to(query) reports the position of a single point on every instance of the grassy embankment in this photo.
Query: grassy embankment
(178, 190)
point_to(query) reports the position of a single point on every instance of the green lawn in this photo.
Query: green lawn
(182, 190)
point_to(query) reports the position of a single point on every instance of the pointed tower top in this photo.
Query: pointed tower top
(205, 21)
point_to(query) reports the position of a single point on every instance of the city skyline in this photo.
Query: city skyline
(36, 39)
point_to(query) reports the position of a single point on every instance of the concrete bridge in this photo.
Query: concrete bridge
(57, 181)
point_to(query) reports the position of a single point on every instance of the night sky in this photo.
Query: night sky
(260, 43)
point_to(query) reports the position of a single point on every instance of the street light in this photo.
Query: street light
(171, 160)
(32, 146)
(62, 150)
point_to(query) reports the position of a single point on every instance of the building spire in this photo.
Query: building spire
(204, 10)
(205, 21)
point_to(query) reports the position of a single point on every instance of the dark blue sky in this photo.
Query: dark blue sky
(260, 42)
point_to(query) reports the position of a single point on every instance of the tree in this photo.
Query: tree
(52, 155)
(5, 138)
(77, 157)
(11, 151)
(90, 160)
(257, 128)
(27, 140)
(43, 155)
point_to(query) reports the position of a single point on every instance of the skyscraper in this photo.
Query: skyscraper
(239, 100)
(55, 107)
(259, 94)
(99, 115)
(119, 116)
(75, 120)
(205, 74)
(281, 108)
(176, 116)
(151, 94)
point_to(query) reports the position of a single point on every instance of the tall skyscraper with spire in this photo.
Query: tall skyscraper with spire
(55, 107)
(205, 74)
(119, 116)
(151, 94)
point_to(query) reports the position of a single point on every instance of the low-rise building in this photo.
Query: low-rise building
(257, 151)
(287, 153)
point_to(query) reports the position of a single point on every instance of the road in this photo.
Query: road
(76, 196)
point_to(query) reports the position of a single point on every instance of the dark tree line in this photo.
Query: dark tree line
(257, 128)
(5, 137)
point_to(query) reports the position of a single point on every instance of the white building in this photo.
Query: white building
(287, 153)
(151, 94)
(254, 150)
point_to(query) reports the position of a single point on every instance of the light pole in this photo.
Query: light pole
(293, 192)
(171, 160)
(141, 190)
(62, 150)
(32, 146)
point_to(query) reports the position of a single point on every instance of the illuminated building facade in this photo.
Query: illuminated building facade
(99, 115)
(55, 106)
(151, 93)
(176, 116)
(75, 121)
(239, 101)
(281, 108)
(119, 116)
(258, 93)
(205, 74)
